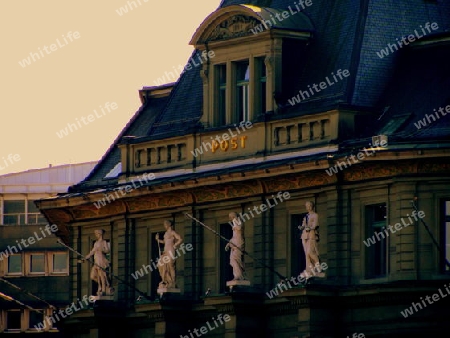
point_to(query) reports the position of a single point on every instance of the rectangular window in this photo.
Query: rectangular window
(261, 75)
(445, 238)
(242, 91)
(298, 262)
(13, 319)
(155, 251)
(34, 215)
(149, 156)
(226, 271)
(221, 95)
(37, 263)
(59, 262)
(14, 212)
(376, 254)
(35, 318)
(15, 264)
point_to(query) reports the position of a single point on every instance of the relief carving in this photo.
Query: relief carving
(234, 27)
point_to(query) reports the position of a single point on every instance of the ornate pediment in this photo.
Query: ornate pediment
(236, 21)
(233, 27)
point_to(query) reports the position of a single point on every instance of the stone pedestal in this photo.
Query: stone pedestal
(309, 275)
(232, 283)
(161, 291)
(108, 295)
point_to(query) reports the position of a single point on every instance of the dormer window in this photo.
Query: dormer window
(242, 91)
(222, 95)
(261, 87)
(239, 95)
(239, 83)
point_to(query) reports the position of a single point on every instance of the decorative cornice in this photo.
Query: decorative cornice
(228, 191)
(248, 184)
(159, 201)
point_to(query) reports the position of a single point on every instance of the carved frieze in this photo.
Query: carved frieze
(87, 211)
(433, 167)
(228, 191)
(297, 181)
(371, 170)
(233, 27)
(160, 201)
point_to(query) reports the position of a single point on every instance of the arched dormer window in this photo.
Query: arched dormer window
(239, 83)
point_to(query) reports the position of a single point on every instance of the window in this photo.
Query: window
(59, 262)
(14, 212)
(261, 76)
(15, 264)
(298, 260)
(222, 95)
(445, 238)
(376, 254)
(37, 263)
(36, 319)
(13, 319)
(242, 91)
(226, 271)
(155, 252)
(34, 216)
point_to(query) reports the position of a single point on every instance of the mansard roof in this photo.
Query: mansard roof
(346, 35)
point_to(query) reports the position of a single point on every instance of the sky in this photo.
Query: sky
(77, 66)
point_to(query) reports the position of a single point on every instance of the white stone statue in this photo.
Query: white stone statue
(99, 251)
(310, 237)
(166, 264)
(236, 244)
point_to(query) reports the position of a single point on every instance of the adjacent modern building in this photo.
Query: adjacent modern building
(34, 269)
(343, 103)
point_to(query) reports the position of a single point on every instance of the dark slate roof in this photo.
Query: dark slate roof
(419, 87)
(139, 125)
(184, 108)
(347, 34)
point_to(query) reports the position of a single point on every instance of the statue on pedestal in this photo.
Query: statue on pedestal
(236, 244)
(99, 251)
(166, 263)
(310, 238)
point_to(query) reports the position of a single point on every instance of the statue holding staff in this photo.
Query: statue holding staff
(236, 244)
(166, 264)
(310, 237)
(99, 251)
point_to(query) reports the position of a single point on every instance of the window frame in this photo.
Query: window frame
(20, 215)
(369, 221)
(445, 252)
(27, 319)
(14, 274)
(28, 265)
(21, 314)
(51, 264)
(242, 94)
(226, 88)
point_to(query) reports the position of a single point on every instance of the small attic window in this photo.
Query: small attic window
(394, 124)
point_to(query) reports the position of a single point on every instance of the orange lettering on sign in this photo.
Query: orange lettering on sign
(243, 138)
(215, 146)
(224, 145)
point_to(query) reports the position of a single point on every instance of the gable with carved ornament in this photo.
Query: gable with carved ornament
(233, 27)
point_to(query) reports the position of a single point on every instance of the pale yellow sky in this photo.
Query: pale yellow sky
(85, 55)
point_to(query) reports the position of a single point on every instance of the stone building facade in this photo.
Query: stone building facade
(298, 101)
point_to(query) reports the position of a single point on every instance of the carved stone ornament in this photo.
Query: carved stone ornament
(234, 27)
